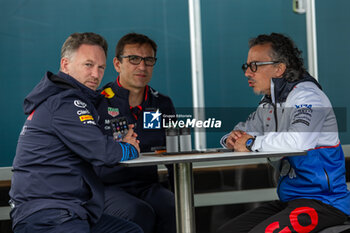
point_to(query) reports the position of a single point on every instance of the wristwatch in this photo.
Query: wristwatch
(249, 143)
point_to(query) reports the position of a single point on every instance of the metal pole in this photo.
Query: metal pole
(197, 70)
(185, 220)
(311, 38)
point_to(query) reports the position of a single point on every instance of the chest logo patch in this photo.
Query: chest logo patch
(108, 93)
(86, 118)
(113, 111)
(80, 104)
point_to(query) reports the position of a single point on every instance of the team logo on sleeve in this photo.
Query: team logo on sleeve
(151, 120)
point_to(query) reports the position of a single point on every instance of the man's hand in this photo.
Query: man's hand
(240, 143)
(231, 139)
(130, 138)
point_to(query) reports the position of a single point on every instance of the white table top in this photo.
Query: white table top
(155, 159)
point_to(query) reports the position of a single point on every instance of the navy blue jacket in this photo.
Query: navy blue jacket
(59, 143)
(117, 98)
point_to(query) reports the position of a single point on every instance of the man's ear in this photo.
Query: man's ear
(65, 65)
(281, 68)
(116, 64)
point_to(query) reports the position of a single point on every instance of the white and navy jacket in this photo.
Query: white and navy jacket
(299, 116)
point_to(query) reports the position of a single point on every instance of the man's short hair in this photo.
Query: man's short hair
(284, 51)
(134, 38)
(75, 40)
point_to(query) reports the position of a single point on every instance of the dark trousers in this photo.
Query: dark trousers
(298, 216)
(152, 207)
(63, 221)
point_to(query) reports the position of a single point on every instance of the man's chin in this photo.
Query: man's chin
(258, 92)
(92, 87)
(141, 84)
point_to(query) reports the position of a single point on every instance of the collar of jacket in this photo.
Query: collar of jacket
(282, 88)
(124, 93)
(66, 81)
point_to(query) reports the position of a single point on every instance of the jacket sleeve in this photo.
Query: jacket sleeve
(307, 112)
(75, 124)
(253, 125)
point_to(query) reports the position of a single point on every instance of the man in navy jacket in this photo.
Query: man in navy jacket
(135, 193)
(54, 187)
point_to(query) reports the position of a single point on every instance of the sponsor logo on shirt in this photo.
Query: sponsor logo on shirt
(108, 93)
(80, 104)
(86, 118)
(113, 111)
(24, 130)
(309, 106)
(82, 112)
(303, 114)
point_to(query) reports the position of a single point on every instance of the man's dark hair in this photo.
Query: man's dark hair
(284, 51)
(75, 40)
(134, 38)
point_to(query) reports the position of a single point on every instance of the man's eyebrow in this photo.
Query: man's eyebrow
(91, 61)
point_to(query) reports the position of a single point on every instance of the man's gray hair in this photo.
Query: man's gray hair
(75, 40)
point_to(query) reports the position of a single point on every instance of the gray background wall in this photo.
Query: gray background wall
(32, 32)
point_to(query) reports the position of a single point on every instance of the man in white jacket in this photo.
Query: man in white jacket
(294, 114)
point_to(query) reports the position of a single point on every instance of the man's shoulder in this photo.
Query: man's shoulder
(110, 90)
(107, 85)
(307, 85)
(306, 88)
(110, 84)
(161, 101)
(308, 92)
(71, 97)
(72, 94)
(157, 95)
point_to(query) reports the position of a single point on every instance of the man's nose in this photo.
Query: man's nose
(95, 72)
(142, 65)
(248, 72)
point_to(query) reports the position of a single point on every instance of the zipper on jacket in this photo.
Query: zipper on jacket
(275, 115)
(276, 125)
